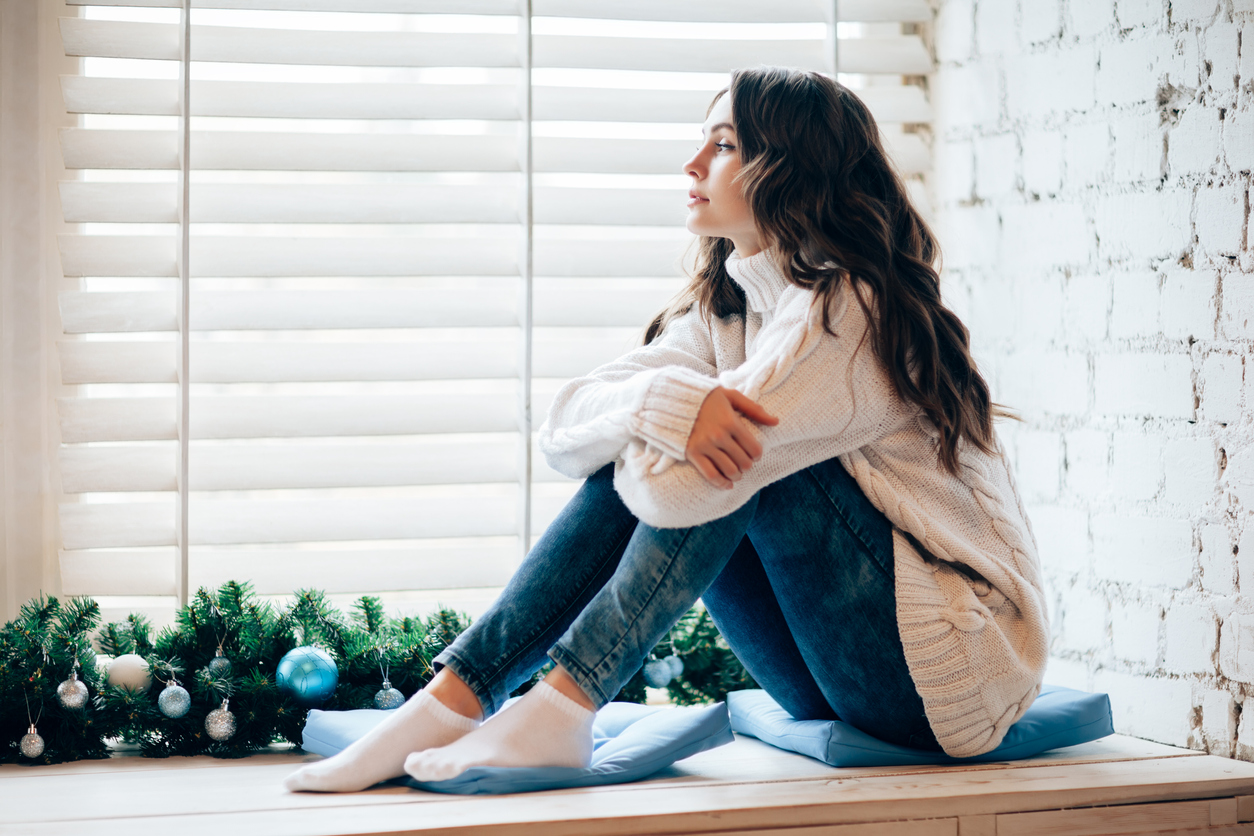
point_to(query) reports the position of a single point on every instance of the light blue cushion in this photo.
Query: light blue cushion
(1059, 717)
(631, 742)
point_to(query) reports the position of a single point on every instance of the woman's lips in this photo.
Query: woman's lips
(695, 199)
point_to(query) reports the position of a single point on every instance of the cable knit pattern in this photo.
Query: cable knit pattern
(970, 605)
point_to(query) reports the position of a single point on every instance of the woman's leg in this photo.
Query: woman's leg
(660, 576)
(827, 555)
(568, 565)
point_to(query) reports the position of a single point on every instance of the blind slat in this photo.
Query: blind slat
(464, 7)
(286, 416)
(427, 101)
(439, 564)
(221, 522)
(232, 256)
(226, 466)
(487, 303)
(475, 355)
(105, 202)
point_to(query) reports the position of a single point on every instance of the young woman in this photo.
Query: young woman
(804, 442)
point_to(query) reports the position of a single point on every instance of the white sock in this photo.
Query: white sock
(544, 728)
(421, 723)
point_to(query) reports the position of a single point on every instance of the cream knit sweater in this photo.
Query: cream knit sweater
(970, 605)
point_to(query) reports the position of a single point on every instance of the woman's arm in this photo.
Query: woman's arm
(651, 394)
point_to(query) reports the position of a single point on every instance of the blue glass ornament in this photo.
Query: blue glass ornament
(174, 701)
(676, 664)
(657, 673)
(388, 698)
(308, 675)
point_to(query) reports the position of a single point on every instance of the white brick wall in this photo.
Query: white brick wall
(1092, 193)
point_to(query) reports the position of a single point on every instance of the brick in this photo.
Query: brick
(1219, 722)
(1086, 306)
(1144, 385)
(1087, 462)
(1150, 551)
(1041, 21)
(969, 236)
(1236, 647)
(1221, 379)
(1245, 557)
(967, 96)
(995, 164)
(1049, 382)
(1135, 310)
(1131, 69)
(1144, 226)
(954, 175)
(1039, 302)
(1156, 709)
(1217, 560)
(1199, 11)
(1222, 55)
(1193, 144)
(1139, 149)
(1192, 472)
(1082, 622)
(1219, 217)
(1038, 465)
(1087, 153)
(1068, 673)
(1042, 162)
(954, 30)
(1238, 134)
(1237, 306)
(1245, 737)
(1136, 13)
(1044, 234)
(1134, 633)
(1050, 83)
(1062, 536)
(1136, 472)
(994, 27)
(1091, 17)
(1188, 304)
(1245, 64)
(1191, 634)
(1239, 481)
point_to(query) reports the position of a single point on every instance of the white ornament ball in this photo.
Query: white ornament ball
(676, 664)
(32, 744)
(220, 723)
(130, 671)
(657, 673)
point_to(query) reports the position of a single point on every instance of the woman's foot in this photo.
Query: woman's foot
(423, 722)
(544, 728)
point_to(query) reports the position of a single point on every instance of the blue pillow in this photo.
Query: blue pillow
(1059, 717)
(630, 742)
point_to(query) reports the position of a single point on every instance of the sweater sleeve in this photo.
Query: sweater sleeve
(651, 394)
(830, 393)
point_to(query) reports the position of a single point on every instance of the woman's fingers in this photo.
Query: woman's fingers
(726, 467)
(750, 408)
(748, 442)
(707, 469)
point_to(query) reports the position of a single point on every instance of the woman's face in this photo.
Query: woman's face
(716, 205)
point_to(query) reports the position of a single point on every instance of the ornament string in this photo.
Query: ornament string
(34, 722)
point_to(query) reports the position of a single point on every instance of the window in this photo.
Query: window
(403, 219)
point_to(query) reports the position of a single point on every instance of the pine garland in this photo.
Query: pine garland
(38, 650)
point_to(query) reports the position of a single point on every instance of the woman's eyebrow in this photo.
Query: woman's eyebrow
(727, 125)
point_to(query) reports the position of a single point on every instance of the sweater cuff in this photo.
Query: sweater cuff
(670, 408)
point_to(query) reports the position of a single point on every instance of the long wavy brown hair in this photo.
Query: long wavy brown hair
(829, 204)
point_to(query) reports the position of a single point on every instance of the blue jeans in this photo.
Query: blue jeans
(799, 580)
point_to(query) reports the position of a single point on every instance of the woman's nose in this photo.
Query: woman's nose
(693, 167)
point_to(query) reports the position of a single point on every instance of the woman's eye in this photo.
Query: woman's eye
(723, 146)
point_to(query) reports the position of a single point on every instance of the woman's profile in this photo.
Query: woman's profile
(803, 442)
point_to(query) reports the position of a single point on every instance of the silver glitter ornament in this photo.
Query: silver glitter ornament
(220, 723)
(389, 697)
(32, 743)
(72, 693)
(219, 665)
(174, 701)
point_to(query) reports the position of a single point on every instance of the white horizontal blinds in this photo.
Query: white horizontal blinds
(624, 86)
(354, 308)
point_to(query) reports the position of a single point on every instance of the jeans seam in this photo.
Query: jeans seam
(856, 530)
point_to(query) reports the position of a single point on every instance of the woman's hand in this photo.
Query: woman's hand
(722, 447)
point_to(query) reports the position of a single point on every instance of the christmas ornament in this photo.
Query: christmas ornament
(308, 675)
(389, 697)
(657, 673)
(677, 665)
(219, 665)
(130, 671)
(174, 701)
(220, 723)
(72, 693)
(32, 743)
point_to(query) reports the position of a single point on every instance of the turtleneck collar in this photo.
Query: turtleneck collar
(760, 278)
